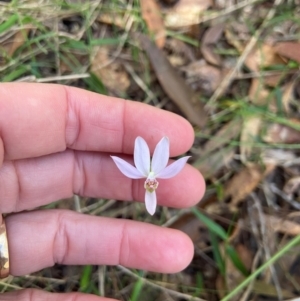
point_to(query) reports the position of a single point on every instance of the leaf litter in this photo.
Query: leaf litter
(232, 69)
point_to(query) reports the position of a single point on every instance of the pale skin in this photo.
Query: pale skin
(56, 141)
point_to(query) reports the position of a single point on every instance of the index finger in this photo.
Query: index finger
(39, 119)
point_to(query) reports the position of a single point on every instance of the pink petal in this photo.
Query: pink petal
(127, 169)
(160, 156)
(150, 202)
(141, 156)
(173, 169)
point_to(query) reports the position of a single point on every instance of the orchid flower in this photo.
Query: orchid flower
(150, 169)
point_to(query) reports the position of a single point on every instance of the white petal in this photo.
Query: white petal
(173, 169)
(150, 202)
(160, 156)
(127, 169)
(141, 156)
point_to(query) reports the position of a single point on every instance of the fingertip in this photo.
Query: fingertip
(184, 190)
(183, 256)
(196, 185)
(190, 134)
(185, 136)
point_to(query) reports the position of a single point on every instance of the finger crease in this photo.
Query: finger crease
(61, 240)
(72, 122)
(2, 150)
(32, 294)
(124, 249)
(18, 186)
(79, 174)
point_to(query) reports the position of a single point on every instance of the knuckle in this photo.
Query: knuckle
(61, 238)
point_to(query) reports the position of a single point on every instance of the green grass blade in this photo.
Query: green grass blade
(199, 284)
(95, 84)
(85, 278)
(15, 74)
(11, 21)
(234, 257)
(210, 224)
(107, 41)
(285, 249)
(217, 253)
(137, 290)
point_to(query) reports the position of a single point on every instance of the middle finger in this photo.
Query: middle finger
(29, 183)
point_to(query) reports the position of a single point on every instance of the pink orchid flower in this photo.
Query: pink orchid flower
(150, 169)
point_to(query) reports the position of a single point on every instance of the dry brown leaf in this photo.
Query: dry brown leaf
(250, 130)
(210, 165)
(205, 76)
(234, 279)
(12, 44)
(210, 78)
(258, 94)
(113, 76)
(263, 56)
(112, 19)
(259, 287)
(278, 133)
(226, 134)
(244, 182)
(260, 57)
(211, 37)
(246, 256)
(173, 84)
(289, 264)
(180, 48)
(288, 95)
(176, 60)
(152, 15)
(282, 225)
(266, 289)
(233, 276)
(185, 13)
(233, 39)
(278, 156)
(273, 80)
(19, 38)
(290, 50)
(292, 185)
(189, 224)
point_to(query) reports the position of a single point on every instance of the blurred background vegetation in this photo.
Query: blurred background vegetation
(231, 67)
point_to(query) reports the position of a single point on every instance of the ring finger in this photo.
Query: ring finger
(40, 239)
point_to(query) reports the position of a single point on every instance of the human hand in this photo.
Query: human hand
(56, 141)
